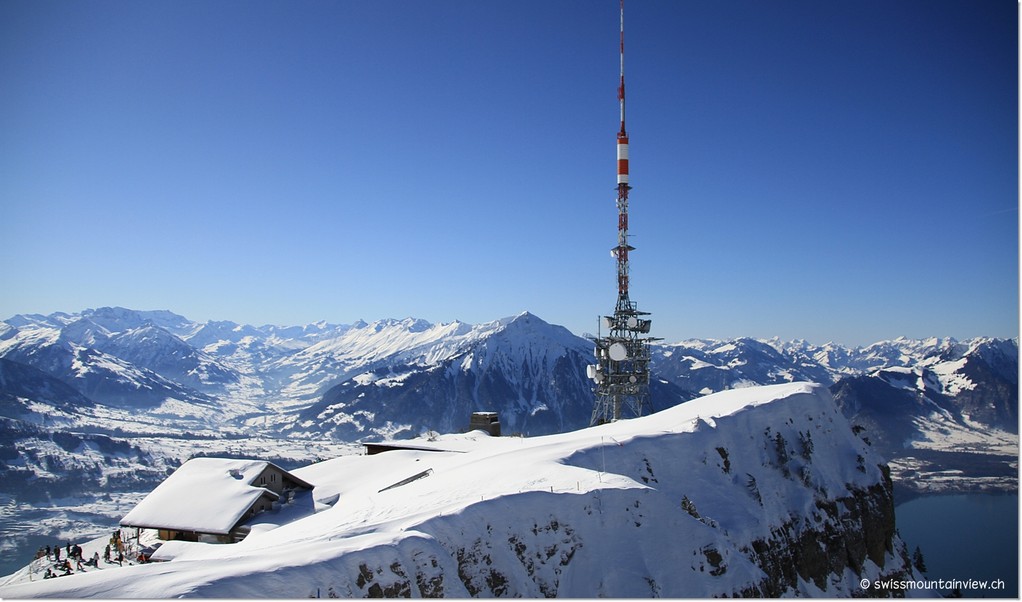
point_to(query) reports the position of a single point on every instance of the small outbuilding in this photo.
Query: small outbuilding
(488, 422)
(210, 499)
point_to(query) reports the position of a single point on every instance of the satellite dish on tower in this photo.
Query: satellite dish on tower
(618, 352)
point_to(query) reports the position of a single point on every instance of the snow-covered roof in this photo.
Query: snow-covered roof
(452, 442)
(205, 495)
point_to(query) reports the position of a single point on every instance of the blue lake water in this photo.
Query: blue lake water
(972, 536)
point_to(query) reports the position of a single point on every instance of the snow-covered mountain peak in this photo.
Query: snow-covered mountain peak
(32, 321)
(119, 319)
(416, 325)
(530, 371)
(530, 334)
(999, 349)
(27, 335)
(84, 331)
(216, 331)
(147, 333)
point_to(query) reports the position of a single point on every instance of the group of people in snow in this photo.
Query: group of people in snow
(73, 553)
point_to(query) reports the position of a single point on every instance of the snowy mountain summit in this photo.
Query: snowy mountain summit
(757, 491)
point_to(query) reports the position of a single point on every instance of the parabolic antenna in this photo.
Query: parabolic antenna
(618, 352)
(632, 321)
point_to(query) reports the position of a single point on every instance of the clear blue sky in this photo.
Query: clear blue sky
(842, 170)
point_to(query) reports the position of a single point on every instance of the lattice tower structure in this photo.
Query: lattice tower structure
(621, 373)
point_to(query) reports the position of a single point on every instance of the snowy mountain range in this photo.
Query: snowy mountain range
(763, 491)
(128, 371)
(161, 389)
(522, 367)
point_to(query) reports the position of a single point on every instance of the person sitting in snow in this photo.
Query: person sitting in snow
(48, 574)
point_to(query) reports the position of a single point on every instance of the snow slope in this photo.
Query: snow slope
(762, 490)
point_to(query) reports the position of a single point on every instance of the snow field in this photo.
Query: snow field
(667, 504)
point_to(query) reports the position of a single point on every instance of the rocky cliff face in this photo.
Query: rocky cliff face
(795, 554)
(854, 535)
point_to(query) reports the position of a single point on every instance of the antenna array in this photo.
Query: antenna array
(621, 372)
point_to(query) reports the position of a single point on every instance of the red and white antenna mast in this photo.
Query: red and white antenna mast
(621, 374)
(622, 249)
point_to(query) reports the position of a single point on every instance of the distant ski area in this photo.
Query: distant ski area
(97, 407)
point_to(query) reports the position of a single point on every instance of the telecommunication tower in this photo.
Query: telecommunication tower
(621, 372)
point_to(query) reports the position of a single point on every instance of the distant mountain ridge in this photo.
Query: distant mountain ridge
(127, 358)
(981, 373)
